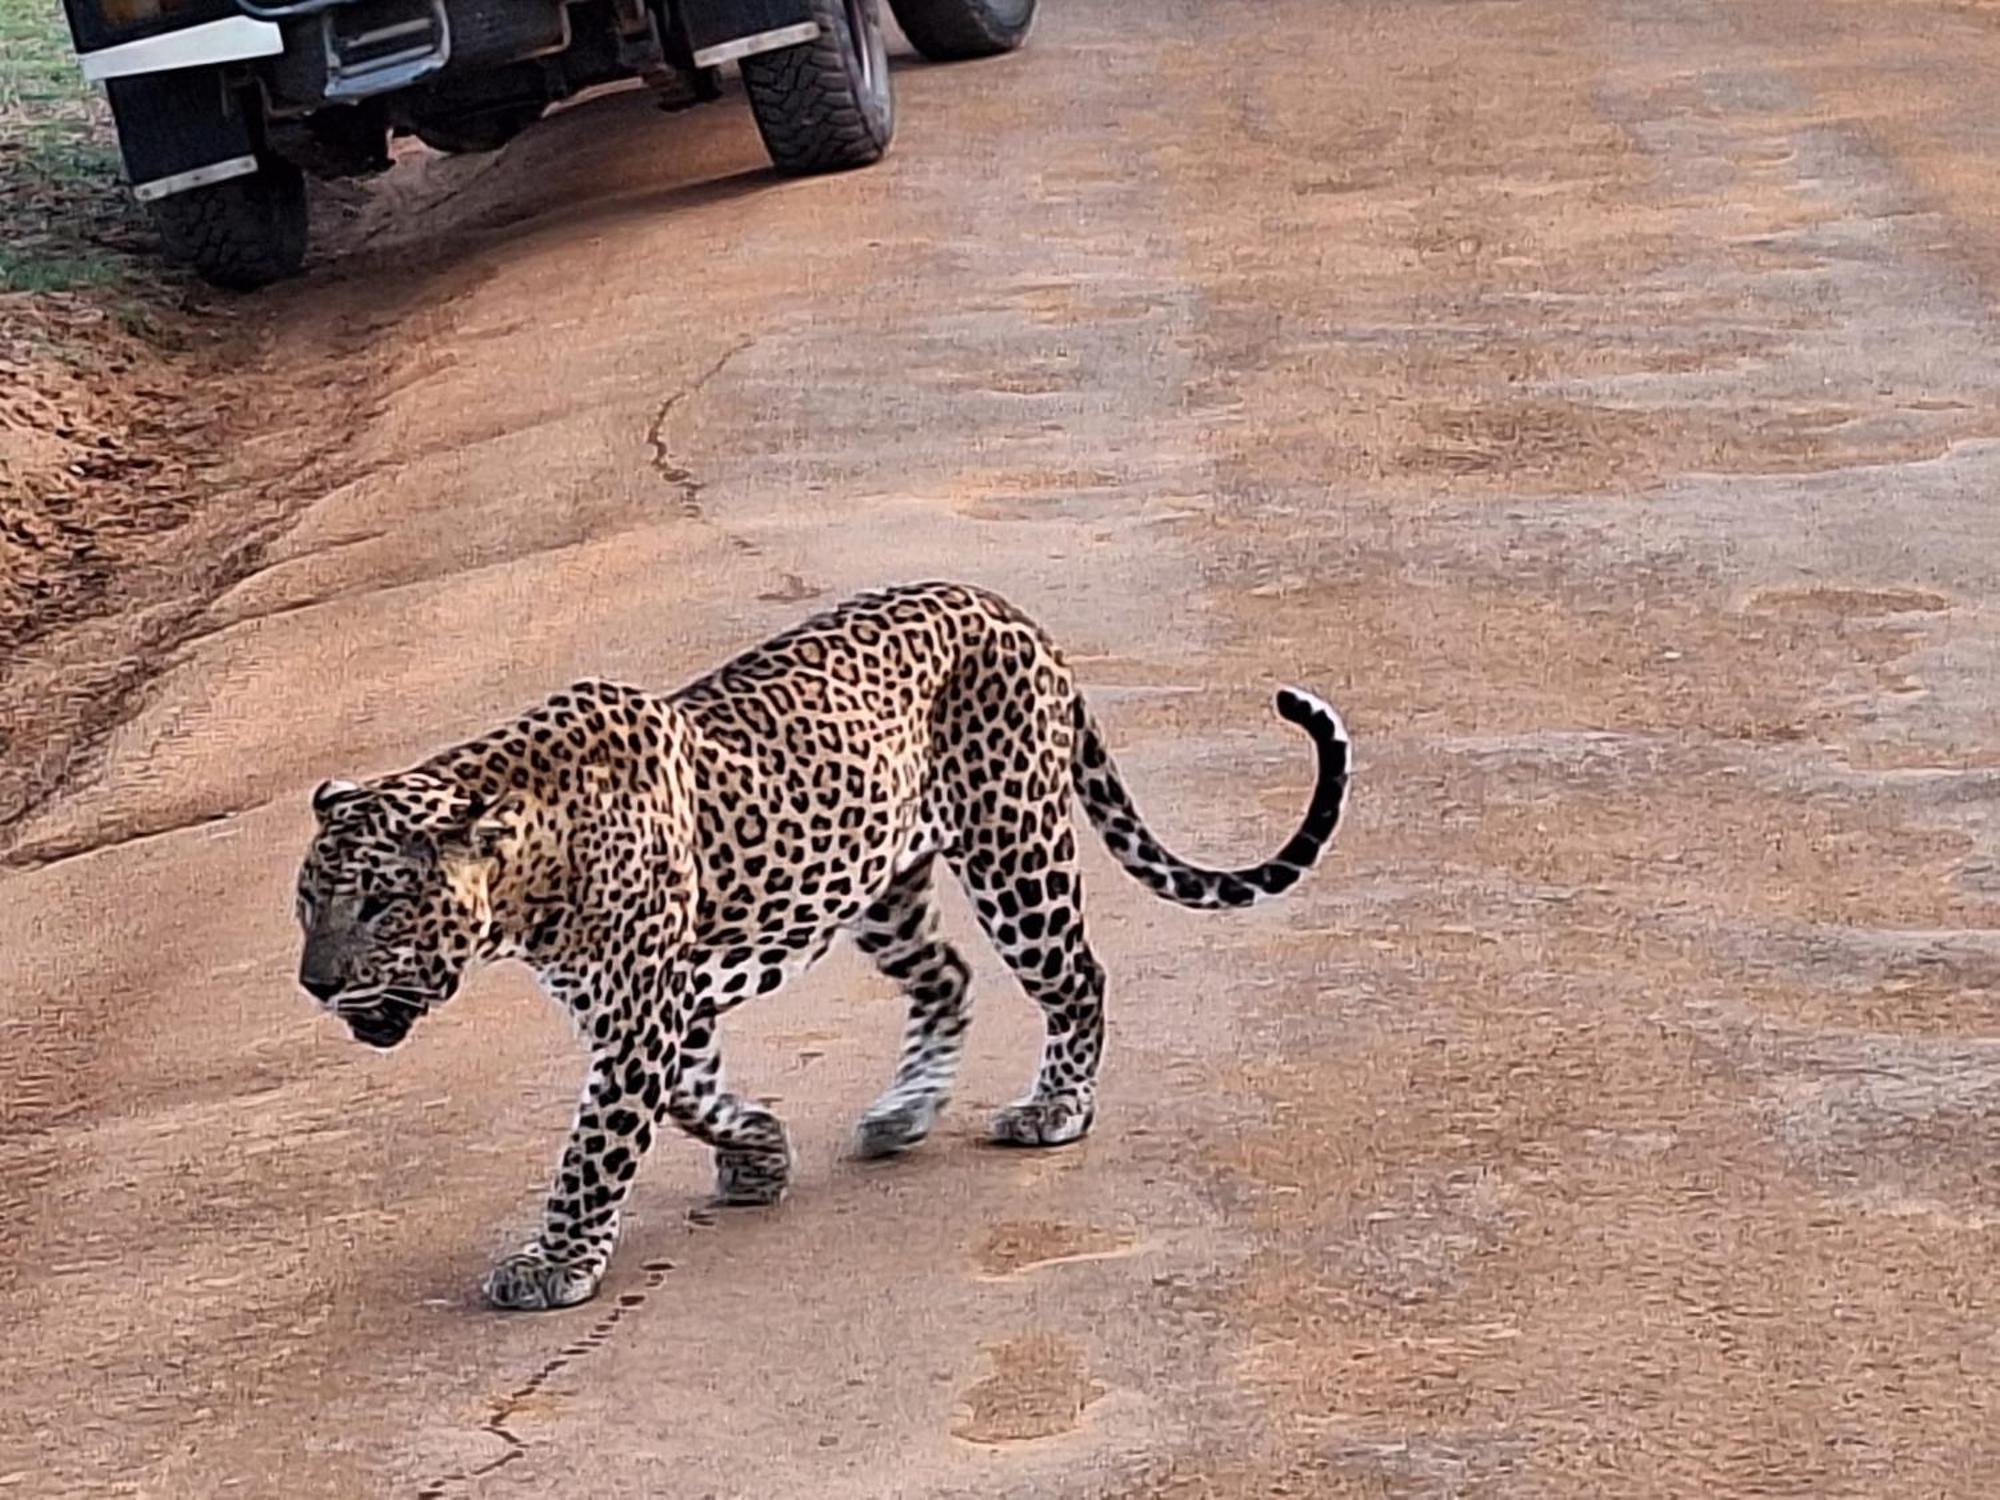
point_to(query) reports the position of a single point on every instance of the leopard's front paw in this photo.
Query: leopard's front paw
(897, 1121)
(530, 1282)
(1043, 1122)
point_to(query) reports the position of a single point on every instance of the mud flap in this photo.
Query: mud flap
(720, 31)
(180, 130)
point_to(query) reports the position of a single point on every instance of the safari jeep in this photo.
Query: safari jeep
(222, 106)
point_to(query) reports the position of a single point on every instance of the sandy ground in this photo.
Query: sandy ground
(1596, 398)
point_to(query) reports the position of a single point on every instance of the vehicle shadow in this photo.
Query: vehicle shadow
(590, 166)
(581, 172)
(402, 248)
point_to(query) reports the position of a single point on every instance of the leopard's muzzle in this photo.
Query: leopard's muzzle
(382, 1021)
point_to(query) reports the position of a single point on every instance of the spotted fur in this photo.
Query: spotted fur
(659, 859)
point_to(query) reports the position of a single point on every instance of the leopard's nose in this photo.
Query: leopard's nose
(321, 989)
(322, 974)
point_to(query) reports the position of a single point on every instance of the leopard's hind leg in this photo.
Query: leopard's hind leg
(1006, 796)
(1030, 902)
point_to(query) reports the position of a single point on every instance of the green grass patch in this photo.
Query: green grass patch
(37, 70)
(63, 216)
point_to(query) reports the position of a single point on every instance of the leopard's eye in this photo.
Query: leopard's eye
(372, 907)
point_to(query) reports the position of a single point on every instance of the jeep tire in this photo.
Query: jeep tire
(825, 105)
(951, 30)
(240, 234)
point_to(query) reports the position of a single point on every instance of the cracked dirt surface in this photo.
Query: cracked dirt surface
(1596, 399)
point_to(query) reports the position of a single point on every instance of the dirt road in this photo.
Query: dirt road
(1596, 398)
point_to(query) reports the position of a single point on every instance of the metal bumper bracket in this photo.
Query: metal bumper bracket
(181, 182)
(750, 46)
(720, 31)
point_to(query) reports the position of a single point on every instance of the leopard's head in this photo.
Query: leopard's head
(396, 896)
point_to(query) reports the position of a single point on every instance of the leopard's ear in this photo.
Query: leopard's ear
(330, 794)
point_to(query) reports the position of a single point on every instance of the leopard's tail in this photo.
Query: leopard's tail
(1174, 879)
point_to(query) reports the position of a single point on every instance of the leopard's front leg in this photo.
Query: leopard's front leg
(632, 1074)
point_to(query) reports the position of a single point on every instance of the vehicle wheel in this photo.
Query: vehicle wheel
(949, 30)
(241, 234)
(470, 134)
(826, 105)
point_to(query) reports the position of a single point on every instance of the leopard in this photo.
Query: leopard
(658, 859)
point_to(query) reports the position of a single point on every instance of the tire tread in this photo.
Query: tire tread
(807, 106)
(241, 235)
